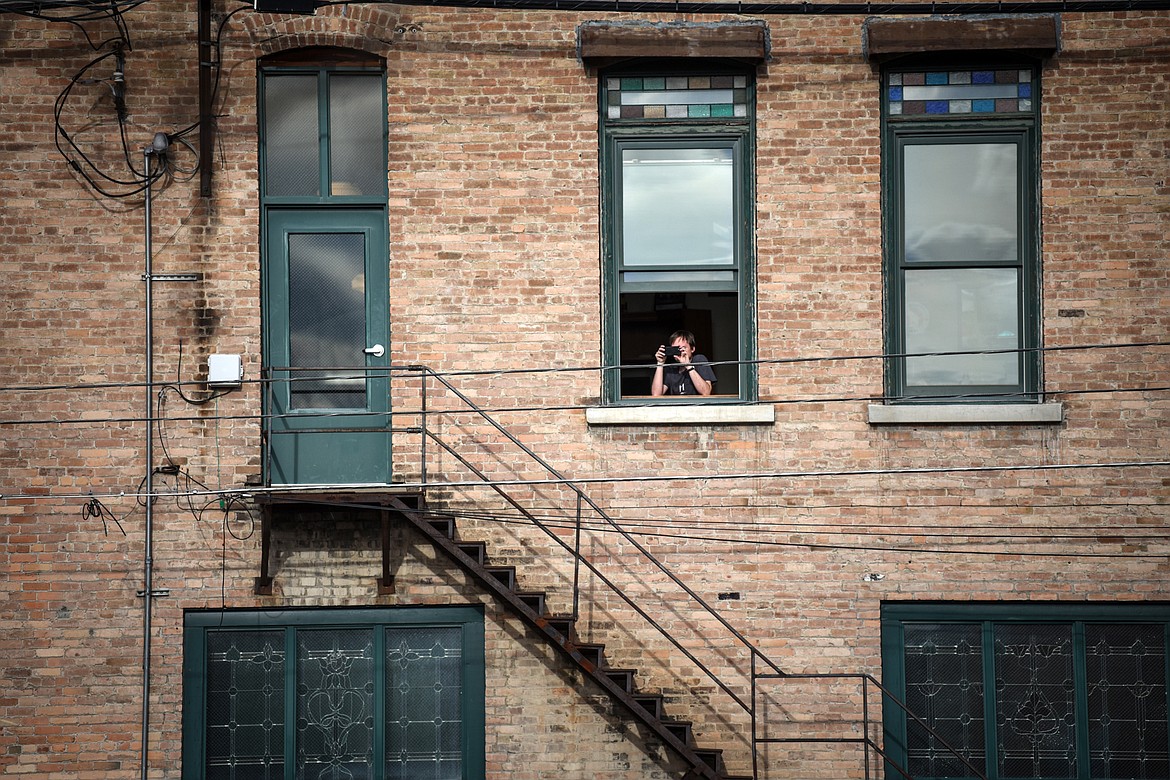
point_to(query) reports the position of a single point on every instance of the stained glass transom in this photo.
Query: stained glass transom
(935, 92)
(676, 97)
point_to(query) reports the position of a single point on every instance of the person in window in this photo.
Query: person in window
(690, 375)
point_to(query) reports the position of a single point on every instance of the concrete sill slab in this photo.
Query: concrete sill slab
(967, 414)
(682, 414)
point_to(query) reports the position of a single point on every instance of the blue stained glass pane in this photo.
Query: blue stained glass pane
(631, 84)
(983, 77)
(1025, 90)
(936, 78)
(658, 83)
(937, 106)
(983, 106)
(895, 93)
(722, 110)
(699, 111)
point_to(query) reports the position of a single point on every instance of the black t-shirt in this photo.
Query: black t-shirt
(677, 378)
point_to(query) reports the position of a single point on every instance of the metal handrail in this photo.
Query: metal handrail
(755, 655)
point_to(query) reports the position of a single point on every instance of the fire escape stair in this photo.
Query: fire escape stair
(559, 631)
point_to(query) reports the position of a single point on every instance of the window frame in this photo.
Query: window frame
(895, 616)
(290, 434)
(198, 624)
(322, 64)
(901, 131)
(735, 133)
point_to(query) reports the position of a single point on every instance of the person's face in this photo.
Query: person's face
(684, 349)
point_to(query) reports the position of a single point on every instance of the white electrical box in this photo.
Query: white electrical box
(224, 371)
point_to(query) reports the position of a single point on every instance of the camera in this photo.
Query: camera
(673, 352)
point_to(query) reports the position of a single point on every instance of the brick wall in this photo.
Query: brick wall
(494, 265)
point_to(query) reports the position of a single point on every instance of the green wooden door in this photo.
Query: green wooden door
(327, 330)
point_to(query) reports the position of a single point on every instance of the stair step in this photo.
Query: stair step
(476, 551)
(591, 654)
(444, 524)
(505, 574)
(624, 678)
(681, 730)
(534, 601)
(651, 702)
(712, 757)
(562, 624)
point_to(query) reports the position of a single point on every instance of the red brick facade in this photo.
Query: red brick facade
(495, 232)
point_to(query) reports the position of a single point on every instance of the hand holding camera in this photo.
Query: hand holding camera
(664, 352)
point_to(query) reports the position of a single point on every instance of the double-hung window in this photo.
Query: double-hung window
(677, 150)
(1027, 691)
(384, 694)
(961, 234)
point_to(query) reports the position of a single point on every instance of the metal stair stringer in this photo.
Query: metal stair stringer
(703, 764)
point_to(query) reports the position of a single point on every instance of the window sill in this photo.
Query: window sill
(967, 414)
(682, 414)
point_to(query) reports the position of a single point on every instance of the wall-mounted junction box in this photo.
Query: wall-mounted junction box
(224, 371)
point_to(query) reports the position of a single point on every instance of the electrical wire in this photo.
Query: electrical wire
(1033, 533)
(403, 414)
(94, 508)
(515, 409)
(610, 529)
(578, 483)
(418, 370)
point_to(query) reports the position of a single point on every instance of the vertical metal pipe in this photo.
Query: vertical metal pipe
(148, 551)
(423, 450)
(755, 719)
(577, 563)
(865, 720)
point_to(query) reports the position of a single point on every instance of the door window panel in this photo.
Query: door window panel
(327, 320)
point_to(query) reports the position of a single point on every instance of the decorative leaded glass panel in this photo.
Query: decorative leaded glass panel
(944, 687)
(936, 92)
(1126, 679)
(676, 97)
(335, 704)
(424, 728)
(1035, 701)
(245, 705)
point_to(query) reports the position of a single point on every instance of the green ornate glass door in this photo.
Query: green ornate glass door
(326, 347)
